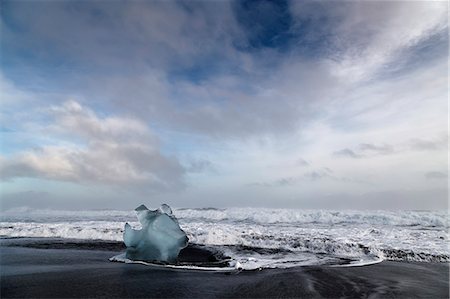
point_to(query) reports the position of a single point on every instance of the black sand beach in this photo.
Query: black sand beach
(57, 270)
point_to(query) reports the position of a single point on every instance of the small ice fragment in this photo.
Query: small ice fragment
(160, 238)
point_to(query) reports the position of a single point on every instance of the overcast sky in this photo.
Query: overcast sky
(110, 104)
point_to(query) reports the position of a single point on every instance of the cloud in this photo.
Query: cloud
(113, 150)
(368, 38)
(317, 175)
(302, 162)
(178, 64)
(428, 145)
(287, 181)
(373, 149)
(200, 165)
(436, 175)
(182, 65)
(346, 152)
(309, 176)
(80, 121)
(166, 34)
(366, 150)
(222, 106)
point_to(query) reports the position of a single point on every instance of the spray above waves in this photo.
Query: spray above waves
(319, 217)
(247, 215)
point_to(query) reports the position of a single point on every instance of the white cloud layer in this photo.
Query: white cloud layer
(373, 36)
(111, 150)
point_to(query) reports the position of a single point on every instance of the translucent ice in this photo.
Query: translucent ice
(160, 238)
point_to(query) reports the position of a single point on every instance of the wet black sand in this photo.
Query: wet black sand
(60, 271)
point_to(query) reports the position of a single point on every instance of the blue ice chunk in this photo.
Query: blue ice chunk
(160, 238)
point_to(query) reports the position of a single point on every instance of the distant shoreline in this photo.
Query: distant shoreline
(80, 273)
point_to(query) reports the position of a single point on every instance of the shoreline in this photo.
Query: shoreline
(81, 273)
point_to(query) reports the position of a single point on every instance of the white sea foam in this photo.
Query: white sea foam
(265, 237)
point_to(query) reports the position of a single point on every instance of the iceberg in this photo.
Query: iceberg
(160, 238)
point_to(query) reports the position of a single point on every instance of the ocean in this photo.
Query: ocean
(260, 238)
